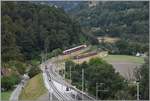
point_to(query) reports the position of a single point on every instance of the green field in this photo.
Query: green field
(5, 95)
(124, 58)
(34, 88)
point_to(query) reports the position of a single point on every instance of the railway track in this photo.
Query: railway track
(52, 75)
(57, 93)
(61, 80)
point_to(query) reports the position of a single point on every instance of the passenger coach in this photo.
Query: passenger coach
(71, 50)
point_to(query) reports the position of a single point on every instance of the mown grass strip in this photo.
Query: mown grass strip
(34, 88)
(124, 58)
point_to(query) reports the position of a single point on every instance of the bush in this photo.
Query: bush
(16, 65)
(55, 52)
(34, 70)
(35, 62)
(7, 82)
(69, 64)
(20, 67)
(142, 74)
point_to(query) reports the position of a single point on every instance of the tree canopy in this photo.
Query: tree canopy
(27, 28)
(96, 71)
(127, 20)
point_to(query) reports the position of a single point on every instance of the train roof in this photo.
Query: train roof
(74, 48)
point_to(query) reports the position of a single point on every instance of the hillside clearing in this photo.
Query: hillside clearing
(108, 39)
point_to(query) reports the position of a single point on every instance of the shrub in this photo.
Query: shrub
(34, 70)
(7, 82)
(20, 67)
(55, 52)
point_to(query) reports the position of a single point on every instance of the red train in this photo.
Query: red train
(71, 50)
(85, 55)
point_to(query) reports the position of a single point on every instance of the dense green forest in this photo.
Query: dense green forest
(115, 18)
(116, 86)
(30, 28)
(96, 71)
(27, 30)
(127, 20)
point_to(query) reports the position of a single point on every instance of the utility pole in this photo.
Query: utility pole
(70, 73)
(82, 81)
(46, 47)
(57, 67)
(75, 97)
(43, 59)
(46, 54)
(64, 70)
(138, 95)
(137, 89)
(63, 65)
(99, 90)
(78, 59)
(70, 66)
(51, 97)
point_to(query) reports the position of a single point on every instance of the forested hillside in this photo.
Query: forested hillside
(126, 20)
(115, 18)
(32, 32)
(28, 28)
